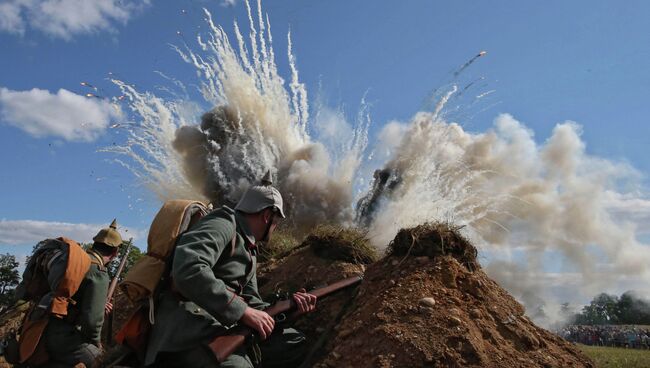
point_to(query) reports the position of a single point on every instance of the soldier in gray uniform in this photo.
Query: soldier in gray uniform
(76, 339)
(215, 287)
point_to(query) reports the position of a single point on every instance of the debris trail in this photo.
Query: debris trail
(469, 62)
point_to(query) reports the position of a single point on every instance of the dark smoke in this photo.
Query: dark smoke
(208, 154)
(384, 184)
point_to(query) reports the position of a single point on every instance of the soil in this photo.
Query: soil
(419, 307)
(427, 303)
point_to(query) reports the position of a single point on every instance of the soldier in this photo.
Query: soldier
(76, 338)
(215, 286)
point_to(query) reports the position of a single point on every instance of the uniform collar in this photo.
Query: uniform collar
(244, 230)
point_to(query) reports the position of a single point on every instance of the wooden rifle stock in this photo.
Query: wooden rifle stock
(224, 345)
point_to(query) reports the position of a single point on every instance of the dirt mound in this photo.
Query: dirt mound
(310, 265)
(433, 240)
(428, 304)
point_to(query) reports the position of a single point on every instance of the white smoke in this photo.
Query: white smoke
(518, 200)
(257, 124)
(512, 193)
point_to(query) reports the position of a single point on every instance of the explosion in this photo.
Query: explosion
(517, 199)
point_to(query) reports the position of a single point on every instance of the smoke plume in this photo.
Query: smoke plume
(522, 201)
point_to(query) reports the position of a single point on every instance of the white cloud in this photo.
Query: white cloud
(66, 18)
(10, 18)
(21, 232)
(64, 114)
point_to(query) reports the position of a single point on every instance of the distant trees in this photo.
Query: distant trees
(9, 278)
(606, 309)
(134, 255)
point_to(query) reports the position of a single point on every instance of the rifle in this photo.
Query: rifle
(224, 345)
(111, 288)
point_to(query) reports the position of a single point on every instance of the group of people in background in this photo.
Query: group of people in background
(625, 336)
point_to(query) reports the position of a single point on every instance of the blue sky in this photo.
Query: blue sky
(549, 62)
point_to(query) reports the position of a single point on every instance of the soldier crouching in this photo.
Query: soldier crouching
(214, 286)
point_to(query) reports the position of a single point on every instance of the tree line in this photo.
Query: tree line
(608, 309)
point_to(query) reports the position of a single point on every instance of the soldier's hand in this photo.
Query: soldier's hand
(258, 320)
(108, 308)
(305, 302)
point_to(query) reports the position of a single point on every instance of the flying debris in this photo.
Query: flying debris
(86, 84)
(472, 60)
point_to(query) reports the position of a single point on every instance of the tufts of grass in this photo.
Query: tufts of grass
(606, 357)
(281, 244)
(341, 243)
(434, 239)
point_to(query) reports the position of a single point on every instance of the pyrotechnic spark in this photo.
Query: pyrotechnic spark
(86, 84)
(486, 93)
(467, 64)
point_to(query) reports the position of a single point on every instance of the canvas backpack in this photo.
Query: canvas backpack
(51, 278)
(148, 275)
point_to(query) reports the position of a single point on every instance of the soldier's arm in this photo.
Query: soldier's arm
(196, 254)
(91, 316)
(252, 295)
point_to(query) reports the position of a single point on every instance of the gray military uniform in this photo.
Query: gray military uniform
(214, 284)
(76, 338)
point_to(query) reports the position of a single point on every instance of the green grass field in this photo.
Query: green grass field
(605, 357)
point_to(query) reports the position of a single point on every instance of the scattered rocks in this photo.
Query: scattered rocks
(475, 313)
(427, 302)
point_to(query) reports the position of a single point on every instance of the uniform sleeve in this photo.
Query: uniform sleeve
(252, 294)
(195, 256)
(91, 316)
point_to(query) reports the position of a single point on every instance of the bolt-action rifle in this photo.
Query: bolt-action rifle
(118, 272)
(224, 345)
(111, 289)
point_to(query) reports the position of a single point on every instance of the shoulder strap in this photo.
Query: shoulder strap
(95, 259)
(233, 241)
(248, 275)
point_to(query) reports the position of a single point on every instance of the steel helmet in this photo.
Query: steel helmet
(109, 236)
(259, 197)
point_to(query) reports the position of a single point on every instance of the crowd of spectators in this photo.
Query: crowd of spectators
(627, 336)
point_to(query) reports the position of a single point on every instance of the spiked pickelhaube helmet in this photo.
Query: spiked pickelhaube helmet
(260, 197)
(109, 236)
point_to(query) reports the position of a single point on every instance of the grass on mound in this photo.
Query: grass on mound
(339, 243)
(281, 243)
(606, 357)
(434, 239)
